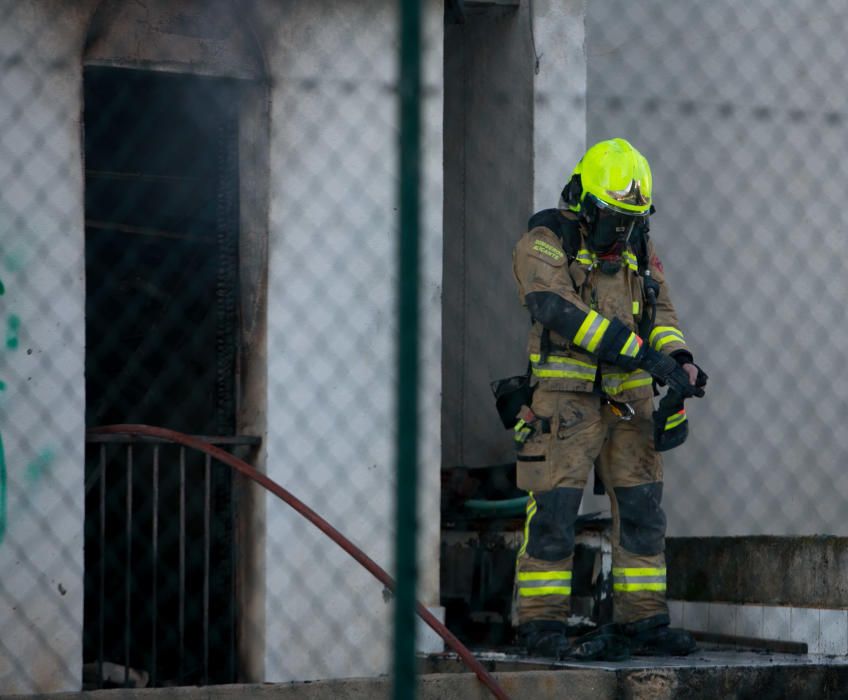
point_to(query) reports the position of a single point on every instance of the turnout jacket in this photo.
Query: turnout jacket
(553, 257)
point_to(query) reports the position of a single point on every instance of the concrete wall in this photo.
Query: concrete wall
(745, 140)
(42, 306)
(332, 328)
(559, 113)
(513, 130)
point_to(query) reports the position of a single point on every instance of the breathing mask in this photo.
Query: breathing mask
(610, 231)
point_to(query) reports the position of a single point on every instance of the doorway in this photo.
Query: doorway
(162, 234)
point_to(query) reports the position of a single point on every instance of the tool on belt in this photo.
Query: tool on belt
(619, 408)
(527, 423)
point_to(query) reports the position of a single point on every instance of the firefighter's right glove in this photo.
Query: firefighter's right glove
(666, 370)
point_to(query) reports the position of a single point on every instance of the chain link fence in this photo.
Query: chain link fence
(199, 231)
(740, 119)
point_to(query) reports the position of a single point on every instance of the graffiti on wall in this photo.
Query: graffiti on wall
(39, 466)
(3, 454)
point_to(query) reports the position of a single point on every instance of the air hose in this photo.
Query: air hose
(269, 484)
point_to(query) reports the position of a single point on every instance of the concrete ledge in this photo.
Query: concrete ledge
(574, 684)
(790, 571)
(704, 676)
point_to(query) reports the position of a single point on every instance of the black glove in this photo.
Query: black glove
(666, 370)
(684, 357)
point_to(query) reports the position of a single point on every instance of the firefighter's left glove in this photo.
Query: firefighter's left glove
(664, 368)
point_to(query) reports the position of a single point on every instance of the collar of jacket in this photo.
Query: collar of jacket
(588, 259)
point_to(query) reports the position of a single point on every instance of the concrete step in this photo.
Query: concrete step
(709, 673)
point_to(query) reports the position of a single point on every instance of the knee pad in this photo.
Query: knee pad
(641, 518)
(550, 531)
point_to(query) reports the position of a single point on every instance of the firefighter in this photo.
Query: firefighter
(603, 331)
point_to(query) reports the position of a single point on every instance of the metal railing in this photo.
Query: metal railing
(210, 450)
(131, 509)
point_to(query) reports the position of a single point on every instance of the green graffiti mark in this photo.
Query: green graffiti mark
(2, 288)
(36, 469)
(14, 262)
(2, 491)
(2, 385)
(12, 328)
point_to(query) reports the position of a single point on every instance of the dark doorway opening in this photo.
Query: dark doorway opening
(161, 182)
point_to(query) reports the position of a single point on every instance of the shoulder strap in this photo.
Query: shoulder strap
(639, 245)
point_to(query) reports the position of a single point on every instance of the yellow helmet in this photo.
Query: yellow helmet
(615, 176)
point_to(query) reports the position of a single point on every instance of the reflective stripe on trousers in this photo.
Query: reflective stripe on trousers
(538, 583)
(627, 579)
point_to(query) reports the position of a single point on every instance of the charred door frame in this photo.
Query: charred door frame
(251, 363)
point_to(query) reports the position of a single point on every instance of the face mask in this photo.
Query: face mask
(611, 230)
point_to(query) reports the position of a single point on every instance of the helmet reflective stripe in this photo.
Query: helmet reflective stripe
(616, 208)
(591, 331)
(663, 335)
(638, 579)
(617, 176)
(558, 367)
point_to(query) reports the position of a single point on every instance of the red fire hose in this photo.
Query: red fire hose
(379, 573)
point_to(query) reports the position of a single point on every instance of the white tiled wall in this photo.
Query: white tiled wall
(824, 631)
(776, 623)
(832, 632)
(804, 627)
(749, 621)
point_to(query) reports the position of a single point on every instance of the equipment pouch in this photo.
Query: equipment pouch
(510, 395)
(532, 463)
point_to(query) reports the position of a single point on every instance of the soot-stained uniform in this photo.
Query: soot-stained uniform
(582, 345)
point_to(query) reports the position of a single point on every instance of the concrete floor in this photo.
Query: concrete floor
(707, 658)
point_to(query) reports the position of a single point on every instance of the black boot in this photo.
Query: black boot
(607, 643)
(653, 637)
(544, 638)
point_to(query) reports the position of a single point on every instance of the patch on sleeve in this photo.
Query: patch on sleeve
(656, 262)
(548, 250)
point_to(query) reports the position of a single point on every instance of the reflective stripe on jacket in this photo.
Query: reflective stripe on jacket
(540, 264)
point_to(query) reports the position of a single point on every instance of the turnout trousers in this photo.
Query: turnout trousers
(579, 433)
